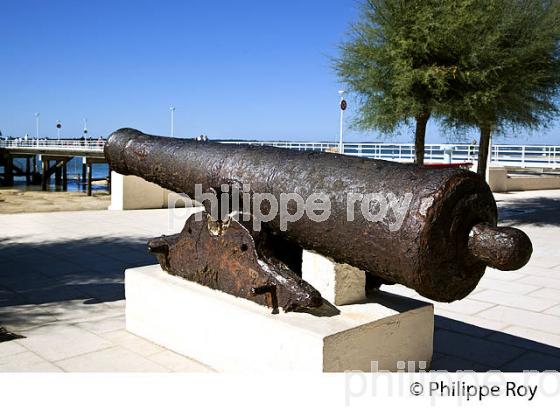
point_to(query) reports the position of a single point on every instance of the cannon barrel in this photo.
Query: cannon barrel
(446, 238)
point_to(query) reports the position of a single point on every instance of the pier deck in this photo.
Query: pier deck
(54, 156)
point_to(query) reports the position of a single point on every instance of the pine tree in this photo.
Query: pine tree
(509, 71)
(399, 62)
(487, 64)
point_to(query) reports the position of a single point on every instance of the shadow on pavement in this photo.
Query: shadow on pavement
(90, 268)
(40, 282)
(540, 211)
(462, 346)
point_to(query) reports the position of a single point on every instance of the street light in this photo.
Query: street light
(58, 127)
(85, 127)
(172, 109)
(37, 114)
(342, 108)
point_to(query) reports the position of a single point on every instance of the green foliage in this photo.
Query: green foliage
(509, 71)
(399, 61)
(467, 62)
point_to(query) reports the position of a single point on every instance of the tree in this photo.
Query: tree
(399, 62)
(470, 63)
(509, 71)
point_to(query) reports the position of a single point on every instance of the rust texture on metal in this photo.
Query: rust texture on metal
(432, 252)
(223, 255)
(501, 248)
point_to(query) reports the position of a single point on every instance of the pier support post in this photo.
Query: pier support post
(65, 176)
(44, 175)
(58, 175)
(60, 170)
(35, 174)
(28, 170)
(9, 170)
(84, 171)
(89, 166)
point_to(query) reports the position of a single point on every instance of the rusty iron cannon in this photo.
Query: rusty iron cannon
(437, 234)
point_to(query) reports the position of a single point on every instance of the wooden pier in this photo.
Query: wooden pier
(54, 156)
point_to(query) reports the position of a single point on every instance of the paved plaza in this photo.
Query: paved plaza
(61, 288)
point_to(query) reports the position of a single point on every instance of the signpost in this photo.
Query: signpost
(343, 106)
(58, 127)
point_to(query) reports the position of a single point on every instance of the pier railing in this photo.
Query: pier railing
(55, 145)
(534, 156)
(523, 156)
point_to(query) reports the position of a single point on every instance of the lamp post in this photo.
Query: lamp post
(58, 127)
(342, 109)
(37, 114)
(172, 109)
(85, 128)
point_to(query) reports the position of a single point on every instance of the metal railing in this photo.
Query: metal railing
(523, 156)
(541, 156)
(55, 145)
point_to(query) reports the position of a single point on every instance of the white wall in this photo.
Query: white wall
(132, 192)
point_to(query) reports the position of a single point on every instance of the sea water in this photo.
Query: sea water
(74, 172)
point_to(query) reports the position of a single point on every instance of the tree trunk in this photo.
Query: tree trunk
(420, 136)
(485, 132)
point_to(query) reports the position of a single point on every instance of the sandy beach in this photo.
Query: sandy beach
(15, 201)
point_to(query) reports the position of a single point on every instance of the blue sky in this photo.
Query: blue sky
(233, 69)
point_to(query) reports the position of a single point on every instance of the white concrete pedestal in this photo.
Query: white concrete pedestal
(234, 334)
(339, 283)
(132, 192)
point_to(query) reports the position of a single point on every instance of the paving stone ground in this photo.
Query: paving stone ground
(511, 321)
(61, 287)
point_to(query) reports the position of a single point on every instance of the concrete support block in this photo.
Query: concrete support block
(132, 192)
(530, 183)
(234, 334)
(498, 179)
(339, 283)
